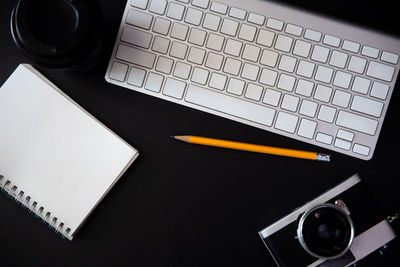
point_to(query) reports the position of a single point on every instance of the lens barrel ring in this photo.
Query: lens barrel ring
(77, 50)
(333, 210)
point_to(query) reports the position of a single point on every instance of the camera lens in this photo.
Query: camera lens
(325, 231)
(59, 34)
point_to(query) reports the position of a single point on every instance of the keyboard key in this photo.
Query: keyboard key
(164, 65)
(230, 105)
(211, 22)
(357, 64)
(338, 59)
(256, 19)
(331, 40)
(178, 50)
(283, 43)
(136, 77)
(254, 92)
(341, 99)
(265, 38)
(343, 144)
(201, 3)
(351, 46)
(219, 8)
(235, 86)
(251, 52)
(268, 77)
(361, 85)
(287, 63)
(197, 36)
(154, 82)
(324, 74)
(118, 71)
(272, 97)
(357, 122)
(326, 113)
(320, 54)
(308, 108)
(247, 32)
(217, 81)
(161, 45)
(174, 88)
(135, 56)
(380, 71)
(196, 55)
(360, 149)
(370, 51)
(367, 106)
(193, 16)
(313, 35)
(139, 19)
(286, 122)
(139, 3)
(200, 76)
(275, 24)
(302, 48)
(233, 47)
(269, 58)
(232, 66)
(158, 6)
(215, 42)
(161, 26)
(323, 93)
(304, 88)
(290, 102)
(237, 13)
(294, 29)
(229, 27)
(389, 57)
(179, 31)
(182, 70)
(305, 69)
(175, 11)
(307, 128)
(214, 61)
(345, 135)
(286, 82)
(379, 90)
(342, 79)
(250, 71)
(324, 138)
(136, 37)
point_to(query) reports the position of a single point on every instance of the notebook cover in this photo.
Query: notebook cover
(56, 152)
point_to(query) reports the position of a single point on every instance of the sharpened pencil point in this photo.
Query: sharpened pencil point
(184, 138)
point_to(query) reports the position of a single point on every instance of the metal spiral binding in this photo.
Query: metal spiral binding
(34, 208)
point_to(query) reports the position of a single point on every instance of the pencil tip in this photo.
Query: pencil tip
(180, 137)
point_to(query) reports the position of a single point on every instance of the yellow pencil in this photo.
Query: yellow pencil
(252, 147)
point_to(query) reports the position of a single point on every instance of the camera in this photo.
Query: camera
(338, 228)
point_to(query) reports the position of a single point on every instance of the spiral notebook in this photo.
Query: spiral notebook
(56, 159)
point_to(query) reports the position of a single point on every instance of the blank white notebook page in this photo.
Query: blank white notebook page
(56, 152)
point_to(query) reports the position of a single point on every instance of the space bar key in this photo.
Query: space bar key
(230, 105)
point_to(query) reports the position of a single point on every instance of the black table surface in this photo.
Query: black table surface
(188, 205)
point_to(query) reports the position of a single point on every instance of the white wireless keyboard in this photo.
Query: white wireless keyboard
(289, 72)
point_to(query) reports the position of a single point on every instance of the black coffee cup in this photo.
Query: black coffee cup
(60, 34)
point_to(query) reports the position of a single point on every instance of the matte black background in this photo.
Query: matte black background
(187, 205)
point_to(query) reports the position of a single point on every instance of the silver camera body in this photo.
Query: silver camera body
(338, 228)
